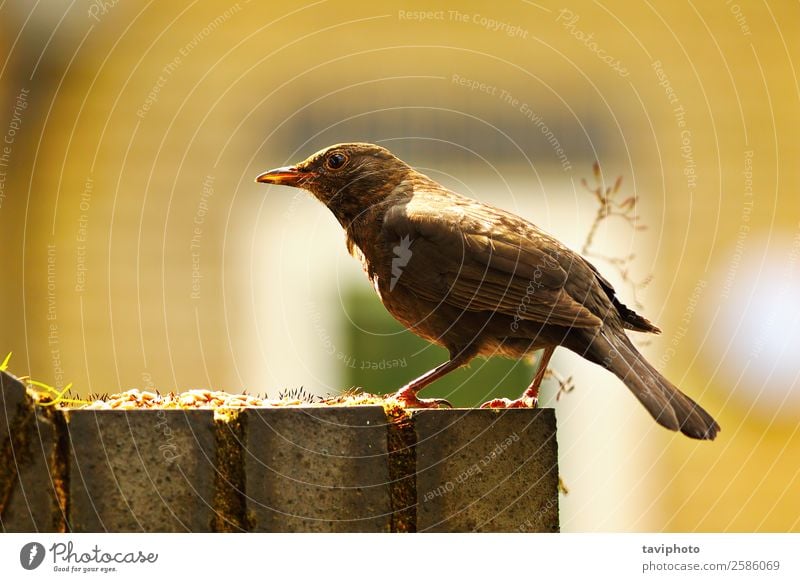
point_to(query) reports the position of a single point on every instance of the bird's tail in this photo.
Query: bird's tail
(669, 406)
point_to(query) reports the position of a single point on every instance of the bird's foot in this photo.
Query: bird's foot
(408, 399)
(522, 402)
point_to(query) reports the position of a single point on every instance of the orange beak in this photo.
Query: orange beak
(286, 176)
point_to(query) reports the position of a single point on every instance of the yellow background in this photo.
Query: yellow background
(242, 87)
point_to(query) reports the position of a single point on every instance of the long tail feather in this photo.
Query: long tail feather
(669, 406)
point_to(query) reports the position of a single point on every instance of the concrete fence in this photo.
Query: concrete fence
(276, 469)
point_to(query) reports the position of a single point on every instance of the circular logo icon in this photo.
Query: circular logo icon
(31, 555)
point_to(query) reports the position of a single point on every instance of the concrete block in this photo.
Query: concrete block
(486, 470)
(317, 469)
(141, 470)
(30, 478)
(282, 469)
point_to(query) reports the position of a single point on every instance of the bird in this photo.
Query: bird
(480, 281)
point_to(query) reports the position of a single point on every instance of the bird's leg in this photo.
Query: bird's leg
(532, 391)
(529, 398)
(407, 395)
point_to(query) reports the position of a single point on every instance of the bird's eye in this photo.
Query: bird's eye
(336, 161)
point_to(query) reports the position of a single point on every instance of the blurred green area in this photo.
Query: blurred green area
(382, 356)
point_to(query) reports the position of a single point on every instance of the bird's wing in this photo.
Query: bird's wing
(630, 319)
(478, 258)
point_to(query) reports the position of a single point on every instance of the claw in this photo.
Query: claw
(523, 402)
(496, 403)
(408, 399)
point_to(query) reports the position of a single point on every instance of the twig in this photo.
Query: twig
(565, 385)
(607, 197)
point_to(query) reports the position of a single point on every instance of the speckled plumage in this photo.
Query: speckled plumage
(478, 280)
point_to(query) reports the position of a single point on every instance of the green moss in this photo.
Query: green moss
(402, 467)
(230, 501)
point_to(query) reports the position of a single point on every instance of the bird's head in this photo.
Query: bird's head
(347, 177)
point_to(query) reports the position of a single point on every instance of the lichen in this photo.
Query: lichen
(230, 501)
(401, 440)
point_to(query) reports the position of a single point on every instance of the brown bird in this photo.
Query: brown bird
(480, 281)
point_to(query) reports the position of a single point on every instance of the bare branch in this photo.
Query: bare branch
(625, 209)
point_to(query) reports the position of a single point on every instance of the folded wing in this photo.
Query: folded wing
(479, 258)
